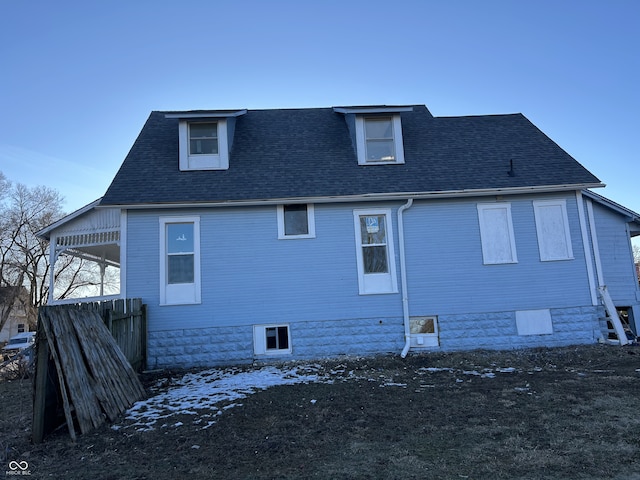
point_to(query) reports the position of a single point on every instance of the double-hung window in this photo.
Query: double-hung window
(379, 144)
(204, 145)
(203, 138)
(496, 233)
(296, 221)
(179, 260)
(552, 228)
(374, 248)
(379, 139)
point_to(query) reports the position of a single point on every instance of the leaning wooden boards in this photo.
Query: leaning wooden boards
(95, 380)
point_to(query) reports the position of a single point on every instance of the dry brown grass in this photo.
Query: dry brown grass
(569, 413)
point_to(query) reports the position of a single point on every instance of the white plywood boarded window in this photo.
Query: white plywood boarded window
(552, 228)
(496, 233)
(534, 322)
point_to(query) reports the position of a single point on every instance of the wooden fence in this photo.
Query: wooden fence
(127, 322)
(83, 367)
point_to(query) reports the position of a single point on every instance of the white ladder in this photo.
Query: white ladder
(614, 318)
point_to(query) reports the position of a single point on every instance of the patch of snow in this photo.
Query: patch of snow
(507, 370)
(201, 392)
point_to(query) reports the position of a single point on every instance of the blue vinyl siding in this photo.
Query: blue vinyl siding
(616, 255)
(446, 273)
(251, 277)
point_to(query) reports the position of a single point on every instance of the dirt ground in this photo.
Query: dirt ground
(567, 413)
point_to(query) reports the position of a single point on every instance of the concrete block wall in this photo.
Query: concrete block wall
(571, 326)
(322, 339)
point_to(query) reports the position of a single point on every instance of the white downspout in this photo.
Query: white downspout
(403, 279)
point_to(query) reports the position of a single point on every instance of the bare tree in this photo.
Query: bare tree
(24, 258)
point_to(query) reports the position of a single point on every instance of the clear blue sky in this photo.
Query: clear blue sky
(79, 78)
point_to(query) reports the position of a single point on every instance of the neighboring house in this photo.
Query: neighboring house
(285, 234)
(13, 312)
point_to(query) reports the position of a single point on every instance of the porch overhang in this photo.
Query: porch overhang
(89, 233)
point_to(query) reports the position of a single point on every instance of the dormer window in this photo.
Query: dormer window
(379, 140)
(205, 138)
(203, 146)
(377, 133)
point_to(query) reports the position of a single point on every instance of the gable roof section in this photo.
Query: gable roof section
(310, 153)
(631, 217)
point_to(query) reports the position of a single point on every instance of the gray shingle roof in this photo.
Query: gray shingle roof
(296, 153)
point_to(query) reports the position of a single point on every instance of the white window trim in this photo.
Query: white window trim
(487, 253)
(187, 293)
(375, 283)
(361, 144)
(424, 340)
(260, 340)
(310, 224)
(219, 161)
(537, 205)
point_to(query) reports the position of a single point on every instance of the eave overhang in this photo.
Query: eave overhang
(372, 110)
(368, 197)
(193, 115)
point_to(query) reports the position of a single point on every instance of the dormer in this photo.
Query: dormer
(206, 138)
(376, 133)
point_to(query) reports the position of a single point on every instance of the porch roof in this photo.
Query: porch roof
(88, 232)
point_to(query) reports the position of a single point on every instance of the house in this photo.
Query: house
(261, 235)
(13, 312)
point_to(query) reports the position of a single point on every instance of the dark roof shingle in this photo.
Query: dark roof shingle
(298, 153)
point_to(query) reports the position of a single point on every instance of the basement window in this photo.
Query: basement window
(424, 331)
(271, 339)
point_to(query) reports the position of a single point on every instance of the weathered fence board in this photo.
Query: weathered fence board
(93, 365)
(127, 322)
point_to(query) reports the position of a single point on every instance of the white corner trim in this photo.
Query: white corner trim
(587, 248)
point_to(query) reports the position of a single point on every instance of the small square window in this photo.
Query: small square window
(21, 328)
(271, 339)
(296, 221)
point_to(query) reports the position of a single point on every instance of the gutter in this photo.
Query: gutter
(403, 279)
